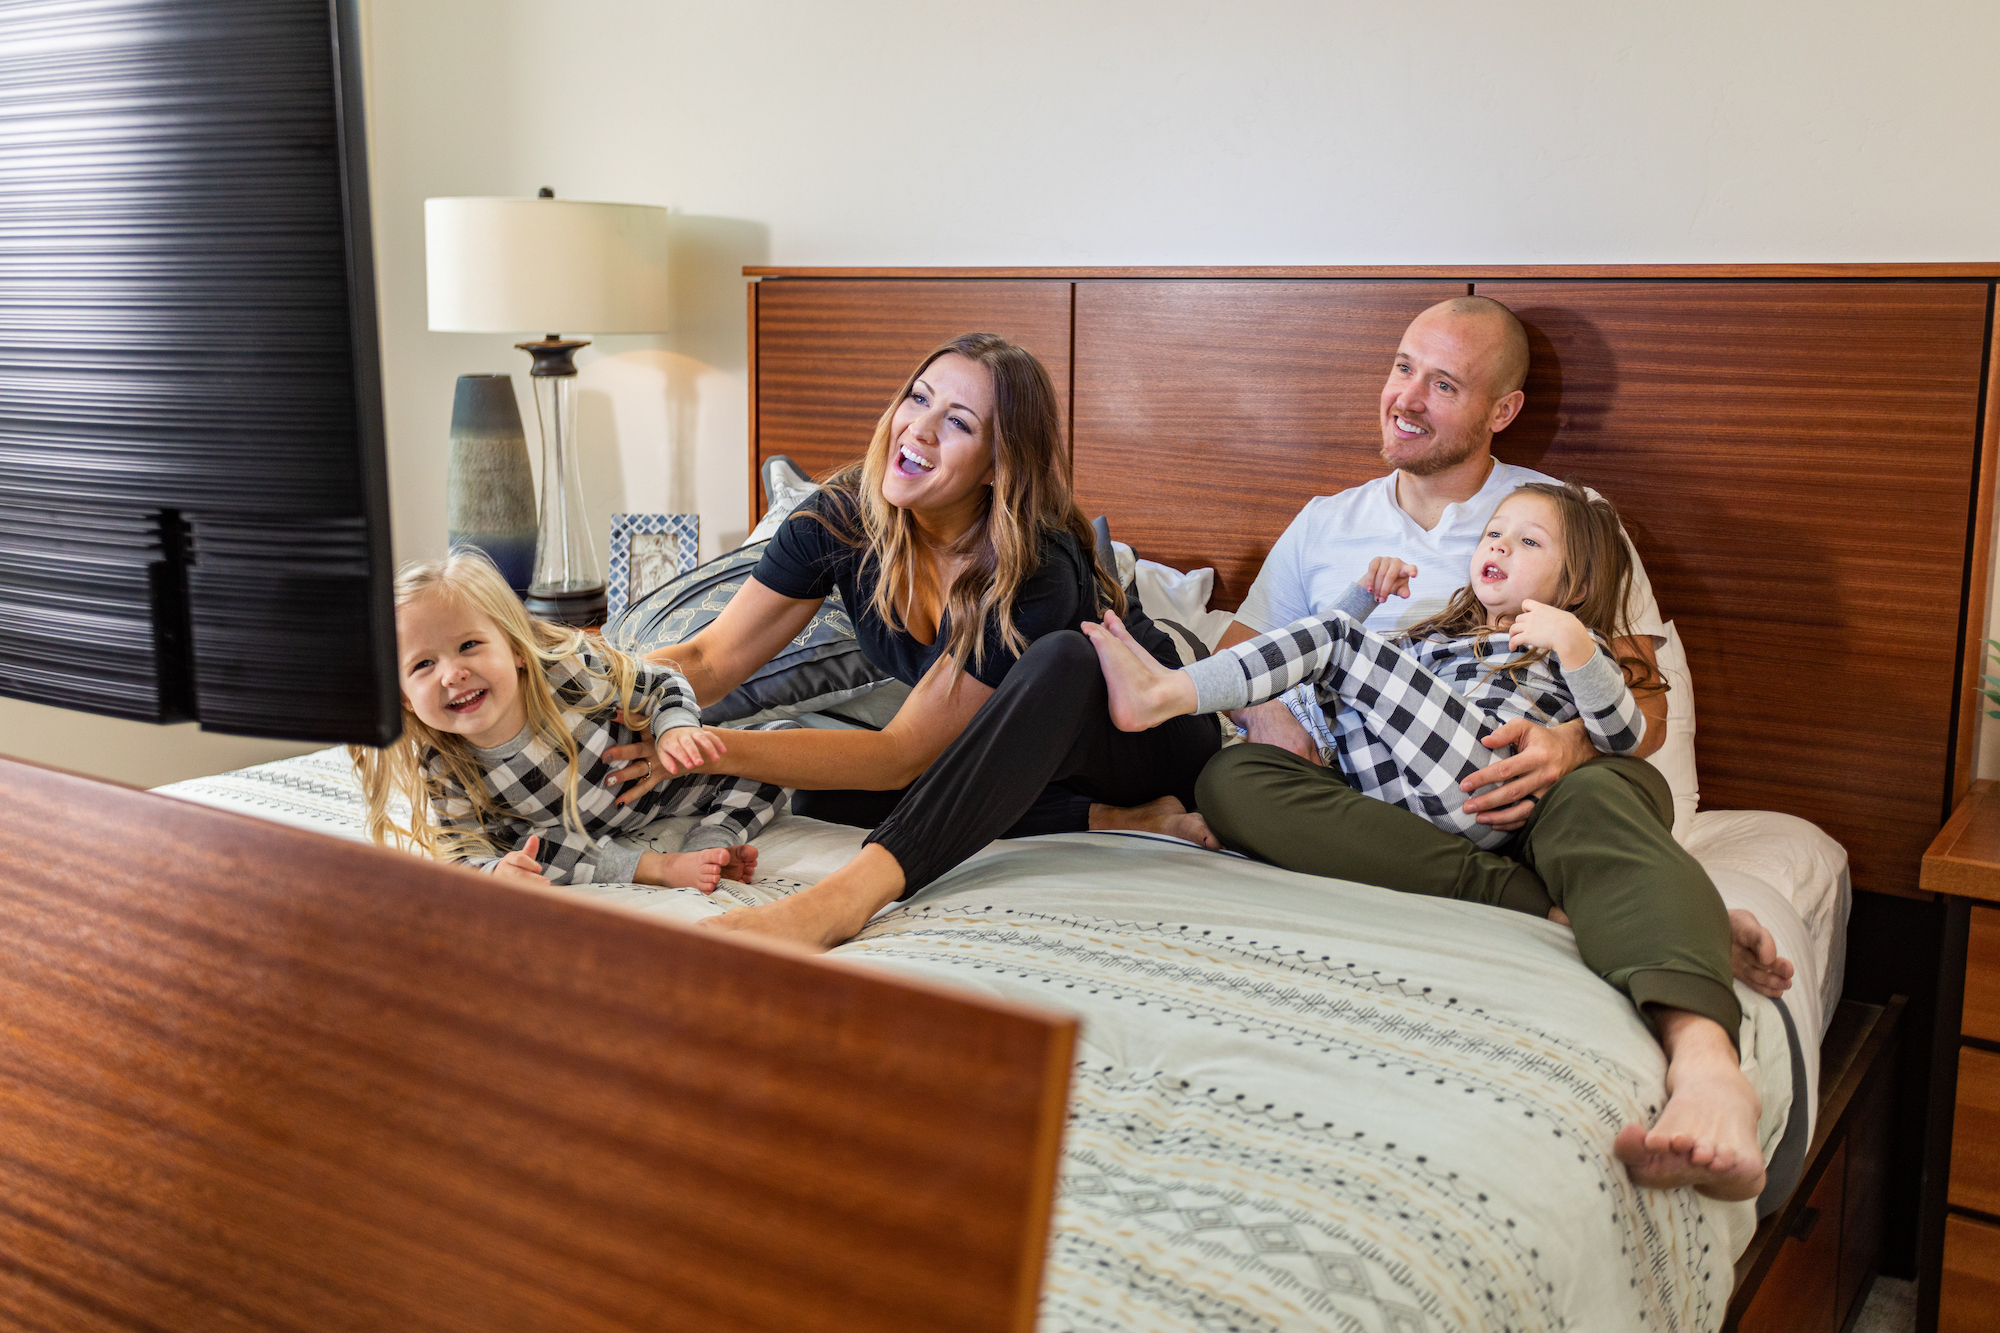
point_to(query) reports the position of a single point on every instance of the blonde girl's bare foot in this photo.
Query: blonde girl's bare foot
(694, 870)
(1143, 693)
(1706, 1135)
(742, 865)
(830, 912)
(1166, 815)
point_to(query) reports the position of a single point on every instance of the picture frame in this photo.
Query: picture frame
(647, 551)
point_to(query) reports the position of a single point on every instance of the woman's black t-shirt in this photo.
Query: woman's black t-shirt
(806, 560)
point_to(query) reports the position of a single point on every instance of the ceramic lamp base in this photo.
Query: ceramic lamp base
(582, 607)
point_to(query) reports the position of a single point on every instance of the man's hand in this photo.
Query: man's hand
(1753, 956)
(1541, 758)
(1273, 724)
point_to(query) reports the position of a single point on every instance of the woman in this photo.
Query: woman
(967, 568)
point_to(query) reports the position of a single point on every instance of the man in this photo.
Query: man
(1592, 833)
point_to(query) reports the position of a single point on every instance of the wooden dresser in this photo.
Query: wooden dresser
(1964, 1203)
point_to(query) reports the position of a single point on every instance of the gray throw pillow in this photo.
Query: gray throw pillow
(821, 669)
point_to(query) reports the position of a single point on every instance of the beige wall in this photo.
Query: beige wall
(1174, 131)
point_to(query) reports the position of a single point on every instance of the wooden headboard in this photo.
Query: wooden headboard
(1803, 453)
(253, 1077)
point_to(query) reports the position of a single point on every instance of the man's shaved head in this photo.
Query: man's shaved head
(1509, 368)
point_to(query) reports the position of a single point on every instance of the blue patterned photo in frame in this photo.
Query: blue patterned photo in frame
(648, 551)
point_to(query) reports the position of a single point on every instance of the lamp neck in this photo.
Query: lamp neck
(553, 355)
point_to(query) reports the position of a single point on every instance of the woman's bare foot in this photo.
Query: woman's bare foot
(1143, 693)
(1706, 1135)
(828, 913)
(742, 865)
(1166, 815)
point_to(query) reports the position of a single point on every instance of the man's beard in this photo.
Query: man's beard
(1441, 456)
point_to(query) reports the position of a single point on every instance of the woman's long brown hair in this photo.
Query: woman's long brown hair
(1031, 494)
(1596, 580)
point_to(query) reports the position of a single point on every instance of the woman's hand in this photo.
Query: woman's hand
(521, 867)
(639, 764)
(684, 749)
(1388, 577)
(1543, 626)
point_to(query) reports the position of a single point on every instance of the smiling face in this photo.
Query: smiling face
(458, 674)
(941, 439)
(1521, 556)
(1439, 408)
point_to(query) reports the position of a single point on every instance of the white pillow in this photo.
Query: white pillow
(1165, 593)
(1675, 759)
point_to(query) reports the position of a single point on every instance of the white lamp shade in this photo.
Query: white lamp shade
(545, 266)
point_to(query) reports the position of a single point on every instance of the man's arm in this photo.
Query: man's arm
(1269, 723)
(1543, 756)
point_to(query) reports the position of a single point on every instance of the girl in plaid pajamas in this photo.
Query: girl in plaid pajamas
(1529, 636)
(505, 723)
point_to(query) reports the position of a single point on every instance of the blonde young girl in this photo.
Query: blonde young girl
(505, 723)
(1528, 636)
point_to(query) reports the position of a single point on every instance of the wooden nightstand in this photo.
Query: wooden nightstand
(1963, 1204)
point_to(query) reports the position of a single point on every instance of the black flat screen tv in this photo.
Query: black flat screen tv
(194, 508)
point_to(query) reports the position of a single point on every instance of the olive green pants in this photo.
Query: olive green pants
(1600, 846)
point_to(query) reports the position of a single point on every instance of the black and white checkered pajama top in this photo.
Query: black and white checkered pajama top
(1412, 714)
(524, 778)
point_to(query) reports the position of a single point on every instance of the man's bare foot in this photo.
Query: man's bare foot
(828, 913)
(1143, 693)
(1753, 956)
(691, 870)
(742, 865)
(1706, 1135)
(1166, 815)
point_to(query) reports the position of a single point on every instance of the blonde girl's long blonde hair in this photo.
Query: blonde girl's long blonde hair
(1596, 581)
(1031, 494)
(402, 767)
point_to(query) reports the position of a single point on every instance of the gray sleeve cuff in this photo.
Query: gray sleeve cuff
(674, 717)
(617, 862)
(1219, 683)
(1358, 602)
(1597, 685)
(704, 836)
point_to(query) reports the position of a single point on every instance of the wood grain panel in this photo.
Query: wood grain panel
(1975, 1132)
(1982, 975)
(1969, 1294)
(252, 1077)
(830, 354)
(1979, 571)
(1964, 858)
(1450, 272)
(1799, 1294)
(1795, 461)
(1208, 413)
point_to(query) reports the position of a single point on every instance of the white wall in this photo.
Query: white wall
(1173, 131)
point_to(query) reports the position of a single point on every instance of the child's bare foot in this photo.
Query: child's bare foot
(1166, 815)
(693, 870)
(1706, 1135)
(828, 913)
(742, 865)
(1143, 693)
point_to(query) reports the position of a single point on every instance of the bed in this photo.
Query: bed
(1285, 1102)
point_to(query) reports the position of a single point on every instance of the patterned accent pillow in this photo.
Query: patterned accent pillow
(822, 668)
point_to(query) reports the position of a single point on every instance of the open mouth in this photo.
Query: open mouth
(465, 703)
(1492, 573)
(913, 464)
(1404, 426)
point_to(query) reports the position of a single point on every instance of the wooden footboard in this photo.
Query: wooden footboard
(252, 1077)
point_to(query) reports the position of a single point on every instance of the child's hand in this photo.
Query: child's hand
(1543, 626)
(1387, 575)
(683, 749)
(521, 866)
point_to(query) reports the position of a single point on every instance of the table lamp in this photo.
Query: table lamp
(519, 265)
